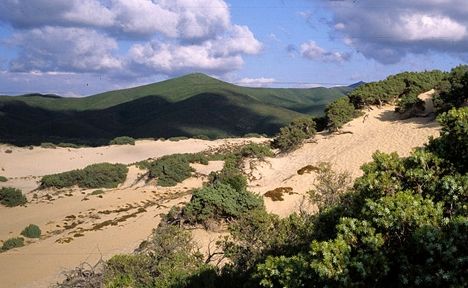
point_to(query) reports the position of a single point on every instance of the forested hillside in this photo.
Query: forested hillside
(187, 106)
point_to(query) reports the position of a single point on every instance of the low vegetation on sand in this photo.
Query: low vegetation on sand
(31, 231)
(12, 243)
(3, 179)
(403, 223)
(102, 175)
(12, 197)
(122, 140)
(291, 137)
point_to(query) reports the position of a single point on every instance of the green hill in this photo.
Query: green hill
(194, 104)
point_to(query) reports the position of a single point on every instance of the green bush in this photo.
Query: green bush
(122, 140)
(3, 179)
(453, 91)
(172, 169)
(31, 231)
(292, 136)
(48, 145)
(13, 243)
(201, 137)
(102, 175)
(220, 202)
(179, 138)
(339, 112)
(68, 145)
(254, 150)
(11, 197)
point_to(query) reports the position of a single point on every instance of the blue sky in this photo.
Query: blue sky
(82, 47)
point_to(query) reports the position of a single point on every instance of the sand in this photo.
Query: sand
(78, 227)
(379, 129)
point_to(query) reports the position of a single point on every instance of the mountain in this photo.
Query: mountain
(357, 84)
(194, 104)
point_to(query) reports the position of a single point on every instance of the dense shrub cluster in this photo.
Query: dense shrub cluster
(3, 179)
(254, 150)
(102, 175)
(11, 197)
(12, 243)
(220, 202)
(290, 137)
(31, 231)
(172, 169)
(453, 90)
(122, 140)
(394, 87)
(339, 112)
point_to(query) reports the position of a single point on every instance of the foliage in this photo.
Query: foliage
(178, 138)
(394, 87)
(102, 175)
(48, 145)
(220, 202)
(292, 136)
(69, 145)
(339, 112)
(453, 90)
(12, 243)
(453, 142)
(3, 179)
(169, 259)
(329, 186)
(11, 197)
(172, 169)
(8, 151)
(122, 140)
(31, 231)
(254, 150)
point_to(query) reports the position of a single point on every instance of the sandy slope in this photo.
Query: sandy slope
(78, 227)
(77, 230)
(379, 129)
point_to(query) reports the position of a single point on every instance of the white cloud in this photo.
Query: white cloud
(256, 82)
(312, 51)
(166, 36)
(64, 49)
(391, 29)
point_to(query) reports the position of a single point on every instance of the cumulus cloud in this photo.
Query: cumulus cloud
(390, 29)
(256, 82)
(64, 49)
(312, 51)
(166, 36)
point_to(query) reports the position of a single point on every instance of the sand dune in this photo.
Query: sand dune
(79, 227)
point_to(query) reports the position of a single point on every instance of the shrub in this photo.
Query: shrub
(96, 192)
(68, 145)
(102, 175)
(122, 140)
(339, 112)
(179, 138)
(48, 145)
(11, 197)
(220, 202)
(8, 151)
(3, 179)
(277, 193)
(13, 243)
(254, 150)
(291, 136)
(201, 137)
(172, 169)
(31, 231)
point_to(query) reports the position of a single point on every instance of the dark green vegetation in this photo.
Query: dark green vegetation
(102, 175)
(31, 231)
(220, 202)
(291, 137)
(404, 223)
(12, 243)
(122, 140)
(187, 106)
(12, 197)
(452, 91)
(395, 87)
(339, 112)
(3, 179)
(172, 169)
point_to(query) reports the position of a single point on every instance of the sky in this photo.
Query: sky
(82, 47)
